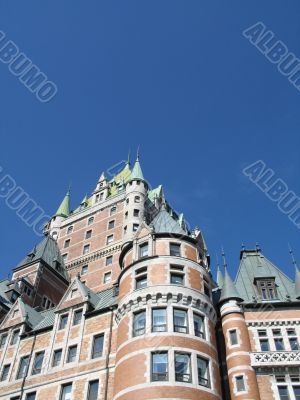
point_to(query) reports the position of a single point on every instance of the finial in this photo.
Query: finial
(292, 256)
(138, 153)
(128, 159)
(218, 263)
(257, 246)
(224, 258)
(69, 188)
(243, 247)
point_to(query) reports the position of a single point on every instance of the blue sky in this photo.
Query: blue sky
(175, 77)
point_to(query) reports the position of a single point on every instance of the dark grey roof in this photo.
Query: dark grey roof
(47, 320)
(164, 223)
(229, 290)
(3, 297)
(33, 317)
(255, 265)
(48, 251)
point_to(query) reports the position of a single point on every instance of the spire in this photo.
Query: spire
(229, 291)
(136, 173)
(219, 275)
(84, 200)
(297, 273)
(64, 208)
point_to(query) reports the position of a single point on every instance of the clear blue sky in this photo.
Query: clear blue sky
(176, 77)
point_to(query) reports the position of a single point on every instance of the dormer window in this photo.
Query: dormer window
(266, 288)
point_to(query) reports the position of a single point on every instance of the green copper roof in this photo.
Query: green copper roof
(64, 208)
(219, 277)
(229, 290)
(137, 173)
(255, 265)
(164, 223)
(152, 194)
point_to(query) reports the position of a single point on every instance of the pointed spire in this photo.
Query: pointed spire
(229, 291)
(219, 274)
(136, 173)
(297, 273)
(102, 177)
(84, 200)
(64, 208)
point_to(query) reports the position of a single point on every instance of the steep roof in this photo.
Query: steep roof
(3, 297)
(64, 208)
(164, 223)
(136, 173)
(48, 251)
(220, 279)
(255, 265)
(155, 193)
(229, 290)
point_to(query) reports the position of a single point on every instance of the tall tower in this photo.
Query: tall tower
(134, 209)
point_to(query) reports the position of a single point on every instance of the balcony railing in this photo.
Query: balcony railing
(275, 358)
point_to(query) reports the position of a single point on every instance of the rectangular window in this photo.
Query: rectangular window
(72, 351)
(291, 332)
(141, 282)
(86, 249)
(296, 390)
(15, 337)
(264, 345)
(38, 363)
(135, 227)
(67, 243)
(143, 250)
(63, 321)
(109, 260)
(66, 392)
(31, 396)
(267, 288)
(203, 372)
(136, 213)
(262, 333)
(111, 224)
(84, 269)
(159, 320)
(183, 367)
(177, 279)
(113, 210)
(5, 372)
(90, 220)
(109, 239)
(107, 277)
(175, 249)
(199, 326)
(283, 393)
(93, 390)
(294, 344)
(233, 337)
(180, 321)
(240, 383)
(3, 340)
(159, 367)
(88, 234)
(279, 344)
(77, 317)
(97, 346)
(139, 323)
(23, 366)
(56, 358)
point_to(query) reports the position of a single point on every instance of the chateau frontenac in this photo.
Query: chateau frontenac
(118, 302)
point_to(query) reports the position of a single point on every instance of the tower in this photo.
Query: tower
(62, 212)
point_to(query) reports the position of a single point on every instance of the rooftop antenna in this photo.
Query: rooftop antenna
(224, 258)
(292, 256)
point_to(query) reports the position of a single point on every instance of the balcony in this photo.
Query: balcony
(275, 359)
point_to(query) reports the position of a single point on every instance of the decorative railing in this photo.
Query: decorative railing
(275, 358)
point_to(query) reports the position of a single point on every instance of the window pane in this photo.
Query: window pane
(98, 346)
(3, 341)
(199, 326)
(294, 344)
(38, 363)
(159, 366)
(182, 367)
(159, 320)
(57, 358)
(139, 323)
(63, 321)
(264, 345)
(203, 373)
(93, 390)
(233, 337)
(66, 392)
(141, 282)
(5, 372)
(23, 367)
(15, 337)
(72, 354)
(175, 249)
(180, 321)
(176, 279)
(297, 392)
(279, 344)
(283, 393)
(144, 250)
(240, 384)
(30, 396)
(77, 317)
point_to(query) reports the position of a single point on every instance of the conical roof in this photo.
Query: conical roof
(64, 208)
(229, 291)
(219, 278)
(136, 173)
